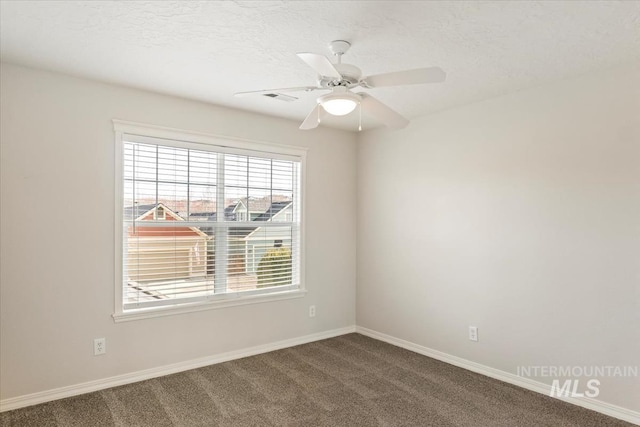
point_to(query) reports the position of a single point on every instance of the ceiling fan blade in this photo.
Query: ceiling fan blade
(408, 77)
(321, 64)
(286, 89)
(386, 115)
(313, 119)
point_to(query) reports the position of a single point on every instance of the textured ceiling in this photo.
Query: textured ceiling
(208, 50)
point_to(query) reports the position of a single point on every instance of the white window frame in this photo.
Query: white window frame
(224, 144)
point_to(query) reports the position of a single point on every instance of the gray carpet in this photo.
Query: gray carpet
(350, 380)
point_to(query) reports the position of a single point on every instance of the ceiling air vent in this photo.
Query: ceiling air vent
(280, 96)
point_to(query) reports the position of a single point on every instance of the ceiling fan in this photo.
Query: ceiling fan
(340, 78)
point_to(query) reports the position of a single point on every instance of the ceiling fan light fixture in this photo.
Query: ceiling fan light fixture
(339, 102)
(339, 106)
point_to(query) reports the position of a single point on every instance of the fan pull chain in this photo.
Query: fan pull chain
(360, 111)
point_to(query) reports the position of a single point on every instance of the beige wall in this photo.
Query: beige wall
(57, 189)
(519, 215)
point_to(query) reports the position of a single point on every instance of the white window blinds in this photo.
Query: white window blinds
(203, 222)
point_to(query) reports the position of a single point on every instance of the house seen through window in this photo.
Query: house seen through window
(202, 222)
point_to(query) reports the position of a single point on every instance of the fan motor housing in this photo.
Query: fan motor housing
(351, 75)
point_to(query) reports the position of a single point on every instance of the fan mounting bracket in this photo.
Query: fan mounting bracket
(339, 47)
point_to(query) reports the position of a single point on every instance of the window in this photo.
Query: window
(160, 212)
(205, 221)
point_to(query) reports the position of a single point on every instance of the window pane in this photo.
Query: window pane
(167, 263)
(235, 208)
(173, 196)
(202, 200)
(144, 197)
(140, 161)
(282, 175)
(203, 167)
(259, 257)
(259, 173)
(259, 204)
(172, 164)
(282, 207)
(235, 170)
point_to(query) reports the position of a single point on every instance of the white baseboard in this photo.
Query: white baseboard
(586, 402)
(91, 386)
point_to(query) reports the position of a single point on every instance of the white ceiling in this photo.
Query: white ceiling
(208, 50)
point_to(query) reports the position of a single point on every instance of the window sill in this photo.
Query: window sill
(147, 313)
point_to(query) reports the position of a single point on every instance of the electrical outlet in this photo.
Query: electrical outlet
(473, 333)
(99, 346)
(312, 311)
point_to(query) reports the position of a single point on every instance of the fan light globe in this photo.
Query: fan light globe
(339, 107)
(339, 103)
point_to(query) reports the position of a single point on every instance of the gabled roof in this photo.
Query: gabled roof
(271, 213)
(234, 206)
(274, 209)
(139, 212)
(257, 204)
(229, 213)
(133, 212)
